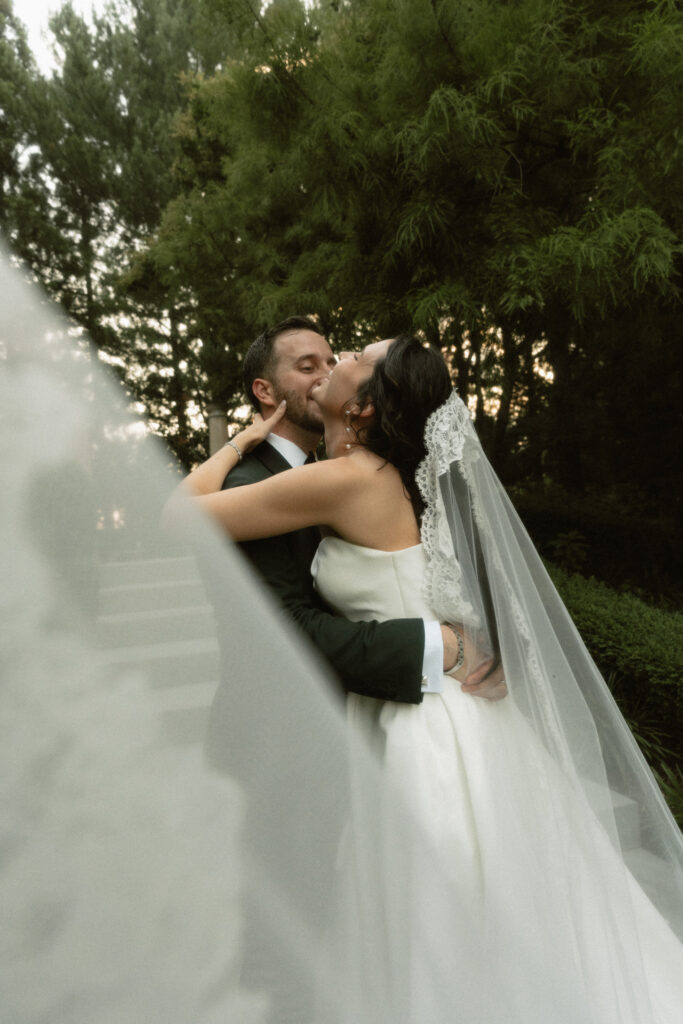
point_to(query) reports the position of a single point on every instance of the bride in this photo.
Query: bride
(515, 885)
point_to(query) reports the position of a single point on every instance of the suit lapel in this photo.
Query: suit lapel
(270, 458)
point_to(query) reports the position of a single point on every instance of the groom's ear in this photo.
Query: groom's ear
(263, 391)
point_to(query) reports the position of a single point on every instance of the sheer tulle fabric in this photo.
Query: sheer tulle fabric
(264, 877)
(502, 592)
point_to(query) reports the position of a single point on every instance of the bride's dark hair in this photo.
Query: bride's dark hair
(406, 387)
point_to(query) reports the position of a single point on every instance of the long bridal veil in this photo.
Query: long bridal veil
(602, 822)
(484, 570)
(150, 876)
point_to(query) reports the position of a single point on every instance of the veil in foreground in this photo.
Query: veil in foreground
(139, 883)
(148, 875)
(143, 880)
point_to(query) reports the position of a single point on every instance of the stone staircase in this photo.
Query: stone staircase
(154, 617)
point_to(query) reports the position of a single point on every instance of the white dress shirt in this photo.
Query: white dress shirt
(432, 660)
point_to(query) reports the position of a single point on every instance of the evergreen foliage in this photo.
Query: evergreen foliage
(95, 157)
(489, 173)
(505, 177)
(17, 70)
(637, 553)
(638, 647)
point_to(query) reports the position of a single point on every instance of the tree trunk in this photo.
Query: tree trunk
(218, 427)
(179, 398)
(91, 322)
(460, 361)
(530, 382)
(475, 357)
(433, 334)
(509, 380)
(566, 443)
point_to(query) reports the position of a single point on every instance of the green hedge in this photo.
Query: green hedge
(627, 551)
(638, 648)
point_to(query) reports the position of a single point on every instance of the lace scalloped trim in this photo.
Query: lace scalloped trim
(453, 447)
(445, 434)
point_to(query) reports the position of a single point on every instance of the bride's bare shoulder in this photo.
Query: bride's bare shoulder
(356, 464)
(360, 468)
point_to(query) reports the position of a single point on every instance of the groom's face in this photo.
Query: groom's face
(303, 359)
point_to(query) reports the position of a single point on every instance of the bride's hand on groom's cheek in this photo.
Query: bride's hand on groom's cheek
(258, 429)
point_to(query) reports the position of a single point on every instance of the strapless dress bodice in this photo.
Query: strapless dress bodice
(365, 583)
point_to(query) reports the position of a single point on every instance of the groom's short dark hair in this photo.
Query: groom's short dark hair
(260, 360)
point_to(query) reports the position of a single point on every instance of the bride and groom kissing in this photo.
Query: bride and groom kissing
(400, 659)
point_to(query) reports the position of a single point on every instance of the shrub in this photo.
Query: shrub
(628, 551)
(638, 648)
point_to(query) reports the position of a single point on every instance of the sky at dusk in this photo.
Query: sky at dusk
(35, 13)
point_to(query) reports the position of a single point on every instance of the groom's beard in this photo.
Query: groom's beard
(301, 411)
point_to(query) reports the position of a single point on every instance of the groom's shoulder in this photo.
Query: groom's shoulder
(256, 465)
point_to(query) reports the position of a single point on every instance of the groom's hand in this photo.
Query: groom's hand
(487, 681)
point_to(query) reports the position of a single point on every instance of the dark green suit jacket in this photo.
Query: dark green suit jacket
(382, 660)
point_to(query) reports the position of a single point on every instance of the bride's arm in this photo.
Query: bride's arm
(306, 496)
(209, 476)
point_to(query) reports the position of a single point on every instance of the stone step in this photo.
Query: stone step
(155, 622)
(173, 663)
(655, 878)
(119, 574)
(141, 597)
(155, 626)
(184, 711)
(627, 818)
(625, 810)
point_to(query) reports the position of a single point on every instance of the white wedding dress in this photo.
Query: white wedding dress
(497, 912)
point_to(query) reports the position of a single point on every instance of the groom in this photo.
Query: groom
(400, 660)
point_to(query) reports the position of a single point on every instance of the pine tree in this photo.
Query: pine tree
(98, 169)
(17, 70)
(157, 48)
(503, 177)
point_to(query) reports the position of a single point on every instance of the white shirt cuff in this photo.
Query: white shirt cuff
(432, 663)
